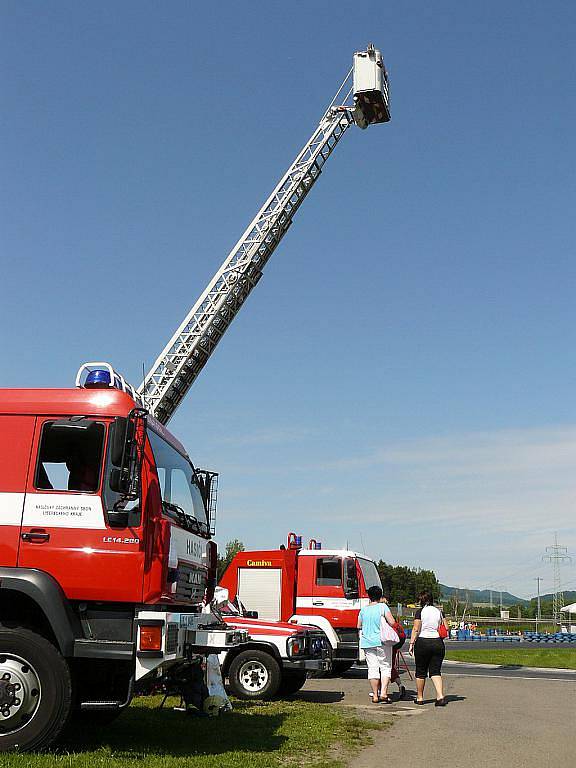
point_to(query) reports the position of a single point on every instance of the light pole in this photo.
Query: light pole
(538, 579)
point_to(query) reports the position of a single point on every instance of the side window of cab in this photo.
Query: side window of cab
(351, 586)
(70, 455)
(329, 572)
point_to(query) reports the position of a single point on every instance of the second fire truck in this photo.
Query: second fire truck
(324, 588)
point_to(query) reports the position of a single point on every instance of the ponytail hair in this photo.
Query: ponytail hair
(426, 599)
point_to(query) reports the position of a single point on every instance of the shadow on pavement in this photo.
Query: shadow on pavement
(355, 673)
(320, 697)
(450, 698)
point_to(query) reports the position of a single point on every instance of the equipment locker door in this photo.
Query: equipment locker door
(15, 445)
(259, 589)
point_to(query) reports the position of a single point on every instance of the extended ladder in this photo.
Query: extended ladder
(180, 362)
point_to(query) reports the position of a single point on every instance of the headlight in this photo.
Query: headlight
(317, 646)
(297, 645)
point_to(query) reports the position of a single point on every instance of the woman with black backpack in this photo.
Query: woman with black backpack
(427, 644)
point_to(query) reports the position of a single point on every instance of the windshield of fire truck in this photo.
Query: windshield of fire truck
(369, 573)
(178, 483)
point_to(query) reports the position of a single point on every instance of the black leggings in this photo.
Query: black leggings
(428, 655)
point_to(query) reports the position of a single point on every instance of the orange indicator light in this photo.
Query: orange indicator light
(150, 638)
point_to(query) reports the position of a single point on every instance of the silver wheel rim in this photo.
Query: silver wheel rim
(20, 693)
(253, 676)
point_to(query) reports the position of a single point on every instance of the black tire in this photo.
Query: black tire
(254, 675)
(340, 667)
(35, 689)
(291, 683)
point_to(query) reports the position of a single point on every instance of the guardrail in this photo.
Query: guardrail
(527, 637)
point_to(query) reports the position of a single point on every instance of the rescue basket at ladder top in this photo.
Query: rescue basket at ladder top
(370, 87)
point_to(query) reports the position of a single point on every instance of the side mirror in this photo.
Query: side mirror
(126, 453)
(122, 433)
(120, 481)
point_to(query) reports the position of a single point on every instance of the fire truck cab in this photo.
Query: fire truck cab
(106, 557)
(318, 587)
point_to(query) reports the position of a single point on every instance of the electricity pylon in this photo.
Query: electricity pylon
(557, 556)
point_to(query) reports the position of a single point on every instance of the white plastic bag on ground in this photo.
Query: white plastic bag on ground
(215, 683)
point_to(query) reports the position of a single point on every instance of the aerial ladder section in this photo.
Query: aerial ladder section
(180, 362)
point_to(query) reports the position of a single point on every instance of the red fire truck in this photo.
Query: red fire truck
(319, 587)
(105, 557)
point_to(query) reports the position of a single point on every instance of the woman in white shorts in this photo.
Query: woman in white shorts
(378, 656)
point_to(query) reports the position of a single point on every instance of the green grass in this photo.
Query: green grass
(255, 735)
(525, 657)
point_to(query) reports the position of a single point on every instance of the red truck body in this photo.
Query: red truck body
(106, 558)
(314, 586)
(89, 559)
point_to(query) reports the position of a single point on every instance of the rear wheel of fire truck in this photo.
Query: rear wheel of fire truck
(35, 691)
(292, 682)
(254, 675)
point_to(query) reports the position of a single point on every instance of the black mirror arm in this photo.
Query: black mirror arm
(187, 520)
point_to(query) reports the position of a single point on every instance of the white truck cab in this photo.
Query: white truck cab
(276, 659)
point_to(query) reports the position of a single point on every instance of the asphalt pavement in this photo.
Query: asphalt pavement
(468, 669)
(505, 716)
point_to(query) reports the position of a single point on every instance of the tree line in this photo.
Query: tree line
(403, 584)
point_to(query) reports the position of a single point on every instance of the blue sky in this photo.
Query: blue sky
(403, 376)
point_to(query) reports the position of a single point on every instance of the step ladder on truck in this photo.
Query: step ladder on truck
(318, 587)
(106, 550)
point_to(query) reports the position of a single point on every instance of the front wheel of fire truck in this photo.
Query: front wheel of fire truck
(254, 675)
(292, 682)
(35, 691)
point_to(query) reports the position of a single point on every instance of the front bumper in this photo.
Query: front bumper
(308, 665)
(183, 635)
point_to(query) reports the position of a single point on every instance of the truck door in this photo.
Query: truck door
(327, 590)
(335, 589)
(65, 531)
(15, 445)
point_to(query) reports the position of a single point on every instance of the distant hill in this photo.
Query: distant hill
(483, 596)
(569, 597)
